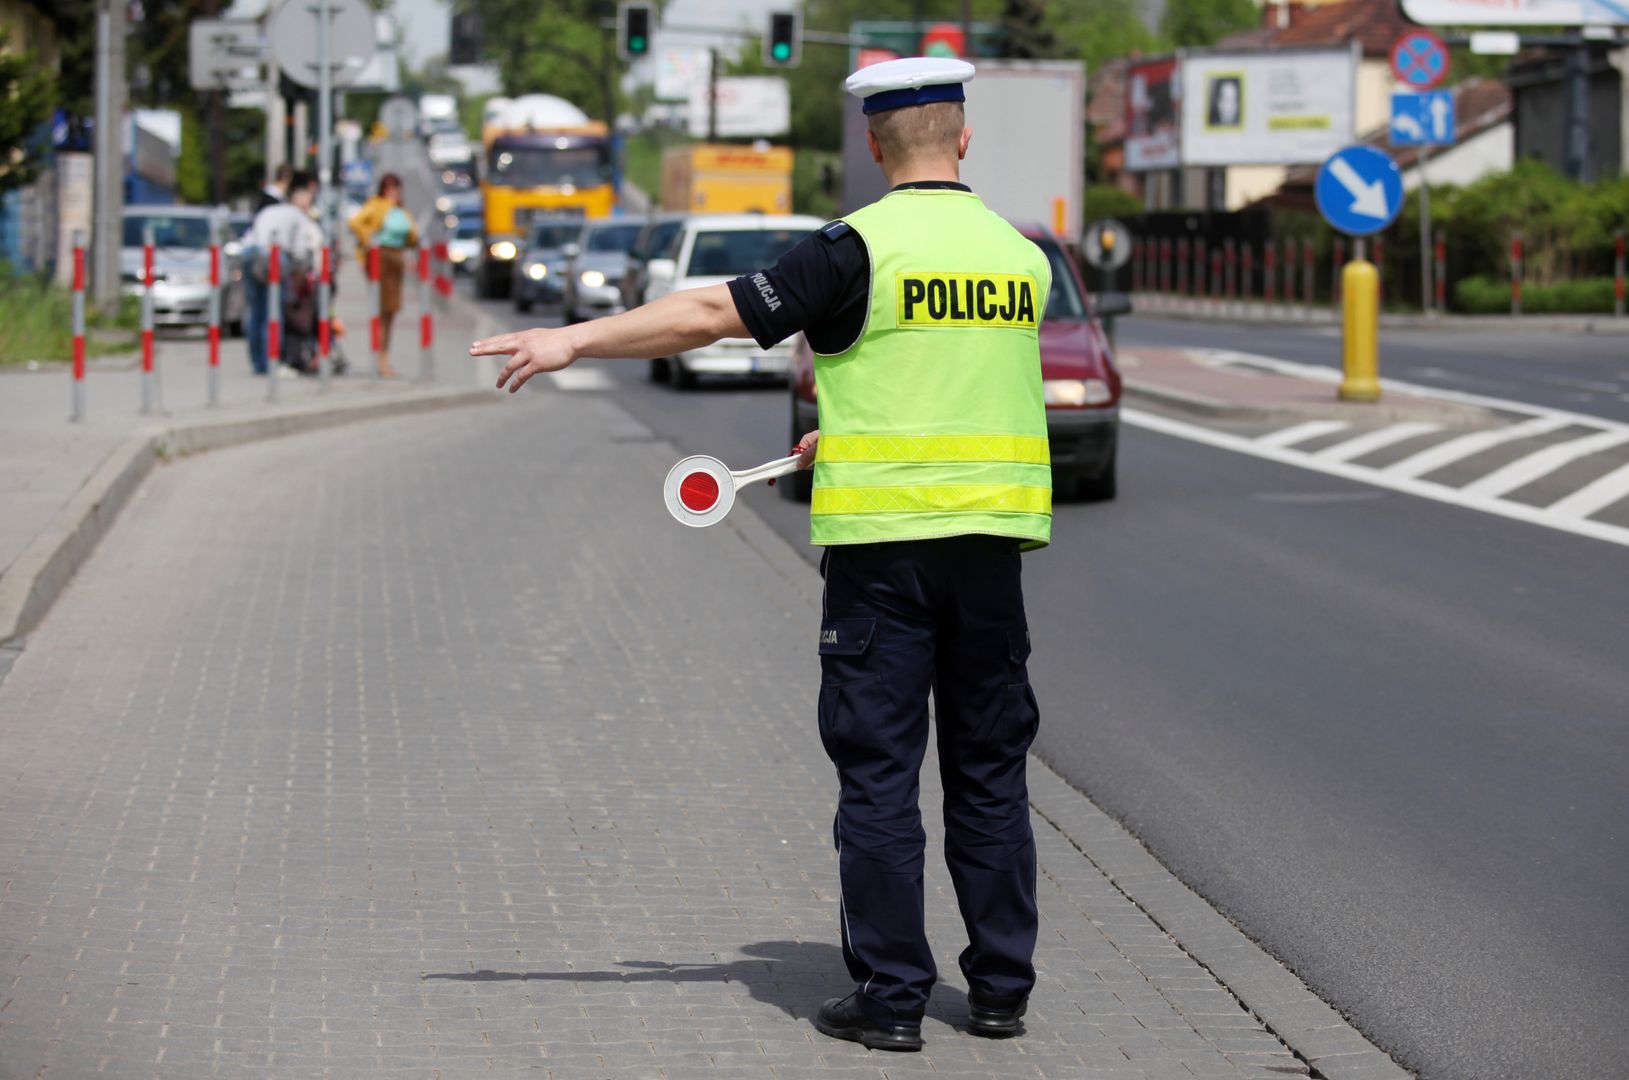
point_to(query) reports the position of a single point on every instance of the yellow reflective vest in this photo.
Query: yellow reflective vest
(934, 422)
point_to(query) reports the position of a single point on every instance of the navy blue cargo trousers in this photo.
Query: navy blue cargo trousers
(900, 619)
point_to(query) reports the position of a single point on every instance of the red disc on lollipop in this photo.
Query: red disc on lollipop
(698, 492)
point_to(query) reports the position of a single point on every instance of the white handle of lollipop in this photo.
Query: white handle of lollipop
(700, 490)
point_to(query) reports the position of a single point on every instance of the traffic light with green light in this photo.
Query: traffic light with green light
(634, 24)
(783, 40)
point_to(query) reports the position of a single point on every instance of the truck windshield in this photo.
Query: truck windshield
(1064, 302)
(547, 166)
(739, 251)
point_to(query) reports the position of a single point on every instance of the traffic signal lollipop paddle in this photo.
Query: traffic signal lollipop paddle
(700, 490)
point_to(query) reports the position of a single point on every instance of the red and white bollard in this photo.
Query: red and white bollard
(1182, 267)
(274, 320)
(77, 397)
(325, 327)
(1440, 281)
(214, 324)
(1309, 272)
(1516, 274)
(376, 341)
(1216, 275)
(1269, 266)
(1289, 270)
(1199, 268)
(1232, 250)
(1248, 270)
(148, 372)
(444, 281)
(426, 320)
(1165, 265)
(1618, 274)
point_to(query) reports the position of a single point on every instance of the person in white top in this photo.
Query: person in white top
(289, 224)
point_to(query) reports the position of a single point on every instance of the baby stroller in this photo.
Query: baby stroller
(300, 321)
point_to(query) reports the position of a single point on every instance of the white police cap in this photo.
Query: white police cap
(915, 80)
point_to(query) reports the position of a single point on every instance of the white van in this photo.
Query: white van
(713, 249)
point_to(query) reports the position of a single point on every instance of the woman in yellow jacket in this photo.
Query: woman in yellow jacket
(383, 223)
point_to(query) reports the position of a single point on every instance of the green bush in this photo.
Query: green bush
(1481, 294)
(36, 321)
(1106, 200)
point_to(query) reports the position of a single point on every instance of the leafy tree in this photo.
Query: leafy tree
(1101, 30)
(1025, 34)
(1192, 23)
(26, 96)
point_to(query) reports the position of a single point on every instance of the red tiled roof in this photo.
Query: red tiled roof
(1375, 24)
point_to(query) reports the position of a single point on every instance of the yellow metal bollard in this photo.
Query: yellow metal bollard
(1360, 331)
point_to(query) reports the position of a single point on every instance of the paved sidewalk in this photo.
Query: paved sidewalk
(451, 755)
(54, 473)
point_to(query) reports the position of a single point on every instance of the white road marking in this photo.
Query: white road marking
(1534, 515)
(1301, 432)
(1594, 496)
(1435, 457)
(1542, 463)
(587, 377)
(1375, 440)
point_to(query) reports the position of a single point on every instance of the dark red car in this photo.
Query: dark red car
(1082, 384)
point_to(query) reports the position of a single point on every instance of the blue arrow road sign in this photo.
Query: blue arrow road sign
(1359, 190)
(1422, 119)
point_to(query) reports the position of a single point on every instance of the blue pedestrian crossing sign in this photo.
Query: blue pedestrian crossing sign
(1422, 119)
(1359, 190)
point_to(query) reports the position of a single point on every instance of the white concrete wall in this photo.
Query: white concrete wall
(1493, 150)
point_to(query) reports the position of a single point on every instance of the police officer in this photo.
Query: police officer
(930, 475)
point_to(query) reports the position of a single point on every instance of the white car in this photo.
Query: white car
(449, 148)
(712, 249)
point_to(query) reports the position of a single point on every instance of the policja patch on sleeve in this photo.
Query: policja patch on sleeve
(951, 300)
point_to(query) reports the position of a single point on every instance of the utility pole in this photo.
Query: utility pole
(1577, 154)
(712, 95)
(110, 100)
(217, 134)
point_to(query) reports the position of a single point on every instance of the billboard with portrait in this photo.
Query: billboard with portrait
(1281, 107)
(1153, 107)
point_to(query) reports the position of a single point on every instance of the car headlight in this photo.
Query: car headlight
(537, 271)
(591, 279)
(1076, 392)
(443, 204)
(456, 254)
(504, 250)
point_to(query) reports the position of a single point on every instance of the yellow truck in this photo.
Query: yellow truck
(542, 156)
(718, 179)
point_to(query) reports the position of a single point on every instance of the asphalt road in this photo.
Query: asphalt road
(1385, 736)
(1582, 372)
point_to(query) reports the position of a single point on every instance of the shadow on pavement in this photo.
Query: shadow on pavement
(793, 976)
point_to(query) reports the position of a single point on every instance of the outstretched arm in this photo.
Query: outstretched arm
(677, 322)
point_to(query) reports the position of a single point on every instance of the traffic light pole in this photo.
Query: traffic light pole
(712, 95)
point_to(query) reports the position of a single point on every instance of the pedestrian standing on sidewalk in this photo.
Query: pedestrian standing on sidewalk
(931, 473)
(384, 224)
(254, 319)
(290, 226)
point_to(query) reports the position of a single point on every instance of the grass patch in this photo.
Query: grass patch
(36, 322)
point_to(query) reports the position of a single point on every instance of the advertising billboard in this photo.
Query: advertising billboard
(1518, 12)
(1153, 110)
(1285, 107)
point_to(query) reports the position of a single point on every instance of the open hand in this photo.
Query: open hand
(529, 352)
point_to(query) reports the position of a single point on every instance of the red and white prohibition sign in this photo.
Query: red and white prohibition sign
(700, 490)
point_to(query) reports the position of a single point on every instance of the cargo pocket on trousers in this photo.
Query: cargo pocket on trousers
(1021, 715)
(850, 693)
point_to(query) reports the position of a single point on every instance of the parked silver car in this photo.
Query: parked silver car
(181, 239)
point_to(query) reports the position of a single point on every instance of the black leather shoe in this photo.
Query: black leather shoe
(841, 1018)
(995, 1020)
